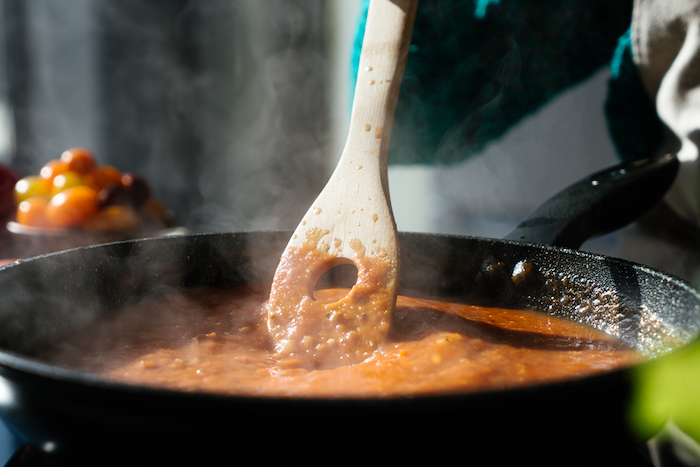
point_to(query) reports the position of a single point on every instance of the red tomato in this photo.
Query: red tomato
(8, 181)
(138, 188)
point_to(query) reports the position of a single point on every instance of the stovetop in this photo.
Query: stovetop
(660, 454)
(27, 455)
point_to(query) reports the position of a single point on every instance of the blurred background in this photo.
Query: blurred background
(236, 111)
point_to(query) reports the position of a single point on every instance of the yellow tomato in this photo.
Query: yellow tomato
(31, 186)
(66, 180)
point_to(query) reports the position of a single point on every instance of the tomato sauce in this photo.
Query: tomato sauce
(328, 332)
(217, 340)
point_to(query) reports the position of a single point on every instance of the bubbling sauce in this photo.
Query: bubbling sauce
(216, 340)
(325, 332)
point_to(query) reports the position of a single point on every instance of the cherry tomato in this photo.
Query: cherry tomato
(113, 219)
(138, 188)
(72, 206)
(157, 213)
(79, 160)
(103, 175)
(32, 212)
(113, 195)
(75, 190)
(31, 186)
(52, 168)
(8, 181)
(66, 180)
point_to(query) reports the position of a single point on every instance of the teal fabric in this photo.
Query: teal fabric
(477, 67)
(634, 125)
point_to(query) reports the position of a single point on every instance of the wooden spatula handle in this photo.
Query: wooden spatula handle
(382, 62)
(355, 203)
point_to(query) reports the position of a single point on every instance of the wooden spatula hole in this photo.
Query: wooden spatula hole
(340, 272)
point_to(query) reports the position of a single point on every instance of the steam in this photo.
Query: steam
(221, 105)
(278, 153)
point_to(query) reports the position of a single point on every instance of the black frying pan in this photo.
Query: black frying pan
(79, 417)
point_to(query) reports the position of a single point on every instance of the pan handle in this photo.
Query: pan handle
(598, 204)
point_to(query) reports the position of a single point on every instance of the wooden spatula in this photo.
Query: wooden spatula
(351, 221)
